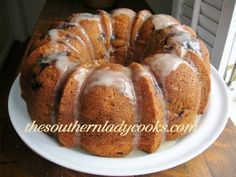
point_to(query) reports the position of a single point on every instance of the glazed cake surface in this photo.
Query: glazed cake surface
(122, 66)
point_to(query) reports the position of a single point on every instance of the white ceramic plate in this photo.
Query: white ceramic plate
(209, 128)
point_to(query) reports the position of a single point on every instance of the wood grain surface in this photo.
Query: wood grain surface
(17, 160)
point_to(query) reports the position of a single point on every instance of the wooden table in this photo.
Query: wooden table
(17, 160)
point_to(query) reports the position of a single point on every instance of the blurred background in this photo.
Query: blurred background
(213, 20)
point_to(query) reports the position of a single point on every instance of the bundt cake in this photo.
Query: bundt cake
(136, 68)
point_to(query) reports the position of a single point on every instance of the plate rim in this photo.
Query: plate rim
(186, 158)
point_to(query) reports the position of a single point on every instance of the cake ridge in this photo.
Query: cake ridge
(69, 113)
(148, 114)
(108, 32)
(160, 93)
(122, 20)
(82, 34)
(137, 24)
(97, 39)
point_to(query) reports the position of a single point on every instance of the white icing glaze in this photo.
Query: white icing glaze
(54, 37)
(66, 42)
(161, 21)
(78, 38)
(81, 41)
(144, 72)
(123, 11)
(80, 76)
(179, 27)
(53, 34)
(81, 73)
(182, 37)
(144, 14)
(196, 45)
(117, 79)
(185, 39)
(165, 63)
(63, 63)
(136, 139)
(84, 16)
(165, 117)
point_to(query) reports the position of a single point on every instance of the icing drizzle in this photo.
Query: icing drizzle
(62, 61)
(118, 79)
(161, 21)
(165, 63)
